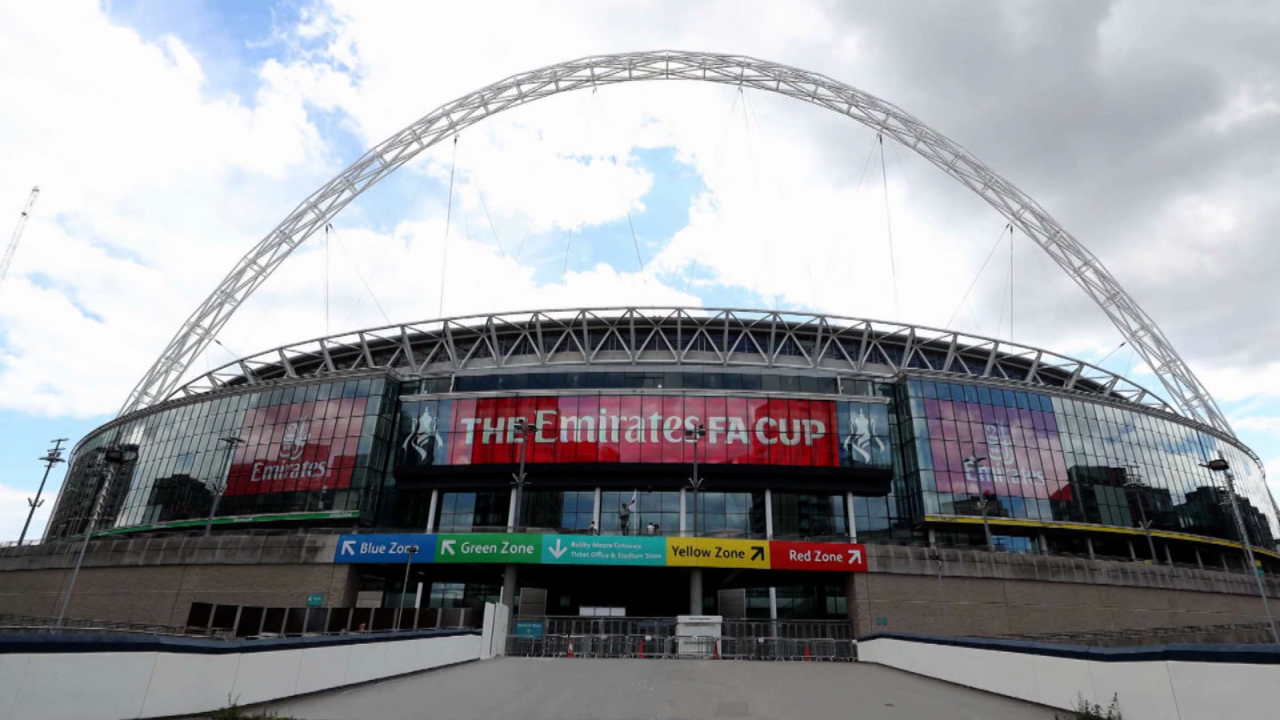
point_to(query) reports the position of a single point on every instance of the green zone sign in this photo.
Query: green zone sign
(603, 550)
(488, 548)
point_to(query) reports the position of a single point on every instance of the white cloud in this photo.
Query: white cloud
(14, 509)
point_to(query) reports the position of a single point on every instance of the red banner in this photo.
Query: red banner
(838, 557)
(298, 447)
(643, 429)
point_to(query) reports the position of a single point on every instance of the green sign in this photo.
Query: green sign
(315, 600)
(488, 548)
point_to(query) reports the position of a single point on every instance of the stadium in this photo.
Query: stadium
(650, 462)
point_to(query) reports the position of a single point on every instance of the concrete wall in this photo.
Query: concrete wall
(79, 684)
(156, 580)
(983, 594)
(1197, 684)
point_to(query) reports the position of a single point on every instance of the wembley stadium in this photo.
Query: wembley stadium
(650, 462)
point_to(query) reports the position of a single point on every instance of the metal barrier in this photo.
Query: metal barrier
(654, 647)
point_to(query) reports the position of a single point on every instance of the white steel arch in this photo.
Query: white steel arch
(1185, 391)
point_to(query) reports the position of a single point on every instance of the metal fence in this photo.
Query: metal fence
(656, 638)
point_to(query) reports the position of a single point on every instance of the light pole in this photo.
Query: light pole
(523, 429)
(983, 496)
(1221, 465)
(53, 457)
(1142, 513)
(114, 457)
(694, 435)
(409, 550)
(220, 484)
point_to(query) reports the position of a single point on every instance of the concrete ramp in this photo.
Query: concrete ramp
(560, 689)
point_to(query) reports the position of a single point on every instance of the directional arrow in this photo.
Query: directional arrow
(855, 557)
(348, 547)
(557, 550)
(446, 546)
(757, 552)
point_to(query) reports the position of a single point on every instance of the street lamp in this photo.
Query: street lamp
(522, 428)
(53, 457)
(694, 435)
(409, 550)
(983, 498)
(220, 484)
(1142, 513)
(1221, 465)
(114, 457)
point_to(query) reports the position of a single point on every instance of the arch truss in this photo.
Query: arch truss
(1184, 390)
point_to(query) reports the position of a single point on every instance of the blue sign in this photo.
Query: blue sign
(603, 550)
(384, 548)
(528, 628)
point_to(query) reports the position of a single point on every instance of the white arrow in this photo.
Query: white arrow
(348, 547)
(446, 546)
(557, 551)
(855, 557)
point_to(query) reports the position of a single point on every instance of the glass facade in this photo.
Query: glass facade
(353, 447)
(1047, 458)
(304, 448)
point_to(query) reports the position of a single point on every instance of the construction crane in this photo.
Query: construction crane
(17, 234)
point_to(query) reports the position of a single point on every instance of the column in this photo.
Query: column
(1088, 541)
(773, 603)
(595, 509)
(768, 514)
(1133, 555)
(695, 591)
(1044, 544)
(933, 538)
(431, 510)
(1226, 566)
(682, 512)
(849, 517)
(1168, 556)
(509, 587)
(1199, 560)
(511, 512)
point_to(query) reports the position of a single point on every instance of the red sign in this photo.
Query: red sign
(298, 447)
(643, 429)
(837, 557)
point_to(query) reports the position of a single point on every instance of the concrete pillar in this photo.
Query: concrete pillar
(509, 586)
(1088, 542)
(1199, 560)
(1168, 556)
(768, 517)
(682, 511)
(511, 512)
(773, 603)
(1044, 544)
(933, 538)
(595, 509)
(1133, 555)
(695, 591)
(849, 516)
(431, 510)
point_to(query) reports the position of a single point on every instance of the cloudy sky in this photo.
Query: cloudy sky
(168, 136)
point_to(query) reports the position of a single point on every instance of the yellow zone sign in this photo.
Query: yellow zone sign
(713, 552)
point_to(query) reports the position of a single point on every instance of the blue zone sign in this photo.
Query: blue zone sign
(384, 548)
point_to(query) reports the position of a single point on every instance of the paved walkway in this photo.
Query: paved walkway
(547, 689)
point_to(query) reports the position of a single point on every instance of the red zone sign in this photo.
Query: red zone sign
(837, 557)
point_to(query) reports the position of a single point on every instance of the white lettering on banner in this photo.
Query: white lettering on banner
(288, 471)
(1003, 467)
(550, 426)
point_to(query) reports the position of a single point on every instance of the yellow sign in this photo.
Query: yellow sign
(713, 552)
